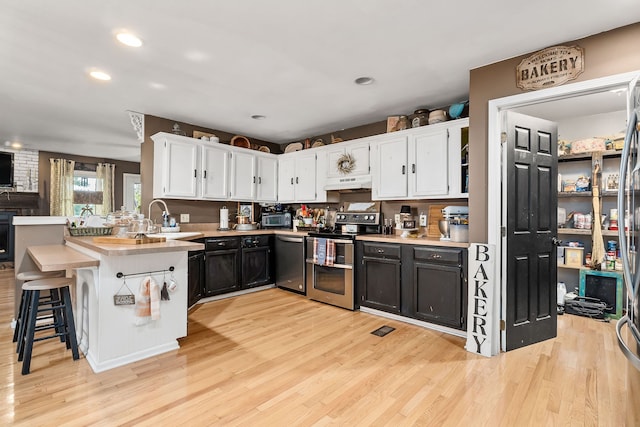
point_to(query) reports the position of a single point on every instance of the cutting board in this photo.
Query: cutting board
(435, 215)
(127, 241)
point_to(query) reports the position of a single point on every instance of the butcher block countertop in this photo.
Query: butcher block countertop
(147, 248)
(426, 241)
(59, 257)
(210, 230)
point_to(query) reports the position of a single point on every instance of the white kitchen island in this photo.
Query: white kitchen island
(108, 334)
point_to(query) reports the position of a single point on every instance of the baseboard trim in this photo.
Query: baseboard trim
(427, 325)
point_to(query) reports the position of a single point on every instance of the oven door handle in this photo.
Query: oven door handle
(337, 241)
(342, 266)
(290, 239)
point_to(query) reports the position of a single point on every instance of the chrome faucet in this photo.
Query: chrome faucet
(166, 209)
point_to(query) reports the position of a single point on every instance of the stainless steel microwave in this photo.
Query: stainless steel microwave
(276, 220)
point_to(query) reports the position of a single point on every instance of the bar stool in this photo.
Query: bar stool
(27, 276)
(62, 317)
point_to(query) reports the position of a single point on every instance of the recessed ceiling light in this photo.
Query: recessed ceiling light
(99, 75)
(258, 117)
(363, 80)
(129, 39)
(15, 144)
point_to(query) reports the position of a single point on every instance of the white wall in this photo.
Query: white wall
(597, 125)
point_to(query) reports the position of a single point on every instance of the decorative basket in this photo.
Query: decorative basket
(90, 231)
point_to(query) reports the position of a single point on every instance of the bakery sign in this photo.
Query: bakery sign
(550, 67)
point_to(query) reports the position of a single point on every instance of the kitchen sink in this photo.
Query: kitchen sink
(177, 235)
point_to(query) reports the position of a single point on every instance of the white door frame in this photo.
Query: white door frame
(128, 181)
(496, 176)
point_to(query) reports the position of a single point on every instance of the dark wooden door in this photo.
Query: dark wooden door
(222, 270)
(256, 266)
(196, 277)
(381, 284)
(531, 226)
(438, 293)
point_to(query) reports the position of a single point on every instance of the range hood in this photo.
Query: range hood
(348, 183)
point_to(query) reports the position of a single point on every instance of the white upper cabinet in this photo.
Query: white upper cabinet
(267, 184)
(214, 172)
(359, 151)
(297, 177)
(429, 162)
(427, 167)
(419, 163)
(390, 168)
(175, 167)
(187, 168)
(243, 176)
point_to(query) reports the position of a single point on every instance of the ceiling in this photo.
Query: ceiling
(217, 63)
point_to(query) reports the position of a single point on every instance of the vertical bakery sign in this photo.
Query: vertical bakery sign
(483, 303)
(550, 67)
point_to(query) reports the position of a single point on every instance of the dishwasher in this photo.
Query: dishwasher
(290, 263)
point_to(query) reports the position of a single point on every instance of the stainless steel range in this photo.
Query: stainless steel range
(330, 276)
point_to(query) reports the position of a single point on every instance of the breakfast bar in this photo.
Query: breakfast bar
(110, 287)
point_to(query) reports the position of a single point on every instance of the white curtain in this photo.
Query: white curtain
(105, 173)
(61, 194)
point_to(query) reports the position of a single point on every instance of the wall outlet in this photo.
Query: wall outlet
(184, 218)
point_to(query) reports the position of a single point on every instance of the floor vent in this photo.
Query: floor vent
(383, 330)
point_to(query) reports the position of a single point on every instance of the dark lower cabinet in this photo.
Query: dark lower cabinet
(229, 264)
(380, 281)
(257, 261)
(222, 266)
(427, 283)
(196, 277)
(438, 285)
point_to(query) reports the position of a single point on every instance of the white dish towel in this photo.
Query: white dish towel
(147, 302)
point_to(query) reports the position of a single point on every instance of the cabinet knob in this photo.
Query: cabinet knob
(380, 251)
(403, 169)
(436, 256)
(413, 168)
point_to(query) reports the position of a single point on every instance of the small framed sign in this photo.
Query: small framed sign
(550, 67)
(409, 224)
(126, 299)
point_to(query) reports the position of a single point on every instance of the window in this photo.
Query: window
(86, 195)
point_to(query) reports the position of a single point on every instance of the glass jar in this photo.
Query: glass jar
(420, 118)
(403, 123)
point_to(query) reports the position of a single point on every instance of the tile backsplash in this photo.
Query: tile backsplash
(25, 170)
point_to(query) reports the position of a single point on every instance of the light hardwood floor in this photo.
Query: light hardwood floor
(273, 358)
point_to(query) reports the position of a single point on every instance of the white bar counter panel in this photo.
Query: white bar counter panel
(107, 333)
